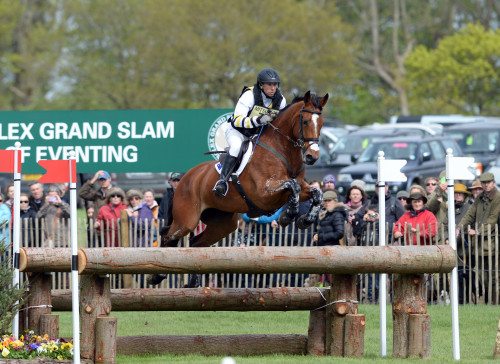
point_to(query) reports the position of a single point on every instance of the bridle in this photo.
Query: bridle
(301, 141)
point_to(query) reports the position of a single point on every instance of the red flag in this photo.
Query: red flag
(7, 161)
(58, 171)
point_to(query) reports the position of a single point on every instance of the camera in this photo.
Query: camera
(373, 215)
(52, 199)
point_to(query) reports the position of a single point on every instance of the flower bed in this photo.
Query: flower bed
(31, 346)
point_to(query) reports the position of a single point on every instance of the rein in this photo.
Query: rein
(300, 142)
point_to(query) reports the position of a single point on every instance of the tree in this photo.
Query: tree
(462, 75)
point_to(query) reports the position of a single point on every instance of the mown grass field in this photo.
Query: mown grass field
(478, 326)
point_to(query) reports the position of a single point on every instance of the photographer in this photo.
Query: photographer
(55, 215)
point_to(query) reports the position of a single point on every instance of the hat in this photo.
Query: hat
(460, 188)
(402, 194)
(104, 175)
(486, 177)
(358, 183)
(175, 176)
(475, 184)
(417, 196)
(114, 191)
(329, 178)
(329, 195)
(134, 193)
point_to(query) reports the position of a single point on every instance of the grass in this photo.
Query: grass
(478, 325)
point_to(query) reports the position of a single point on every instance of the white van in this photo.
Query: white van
(445, 120)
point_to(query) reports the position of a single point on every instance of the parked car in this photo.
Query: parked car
(444, 120)
(350, 146)
(157, 182)
(480, 140)
(425, 157)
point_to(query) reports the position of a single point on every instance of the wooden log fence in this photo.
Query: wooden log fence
(335, 326)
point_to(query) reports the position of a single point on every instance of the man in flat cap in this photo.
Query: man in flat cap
(484, 211)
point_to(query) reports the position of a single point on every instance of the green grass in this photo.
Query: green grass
(478, 326)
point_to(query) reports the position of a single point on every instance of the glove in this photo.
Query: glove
(264, 119)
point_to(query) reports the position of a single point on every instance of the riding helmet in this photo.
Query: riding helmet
(268, 75)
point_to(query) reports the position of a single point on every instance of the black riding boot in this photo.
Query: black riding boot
(221, 186)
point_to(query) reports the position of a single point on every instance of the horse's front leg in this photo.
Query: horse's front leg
(292, 207)
(311, 216)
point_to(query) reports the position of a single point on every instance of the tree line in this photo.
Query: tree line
(375, 57)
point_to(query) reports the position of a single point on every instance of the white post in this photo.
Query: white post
(382, 276)
(75, 299)
(16, 229)
(453, 243)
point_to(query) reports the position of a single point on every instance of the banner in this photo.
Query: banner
(118, 141)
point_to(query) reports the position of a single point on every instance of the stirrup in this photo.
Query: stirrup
(221, 188)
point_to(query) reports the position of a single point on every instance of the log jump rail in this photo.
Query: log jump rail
(335, 326)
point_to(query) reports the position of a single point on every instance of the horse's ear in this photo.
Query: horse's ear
(324, 100)
(307, 97)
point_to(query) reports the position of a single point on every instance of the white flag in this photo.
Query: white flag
(460, 168)
(390, 170)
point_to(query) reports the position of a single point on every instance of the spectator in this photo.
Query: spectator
(359, 183)
(356, 208)
(418, 225)
(431, 183)
(148, 216)
(9, 198)
(108, 216)
(402, 197)
(96, 195)
(37, 197)
(5, 217)
(134, 198)
(251, 238)
(331, 223)
(476, 189)
(415, 188)
(165, 211)
(54, 212)
(331, 226)
(483, 212)
(28, 219)
(393, 212)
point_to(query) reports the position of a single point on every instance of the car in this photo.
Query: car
(425, 157)
(444, 120)
(350, 146)
(157, 182)
(480, 140)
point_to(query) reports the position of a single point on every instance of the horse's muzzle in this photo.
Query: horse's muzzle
(310, 159)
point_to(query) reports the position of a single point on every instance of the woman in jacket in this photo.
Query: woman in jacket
(418, 225)
(108, 216)
(331, 221)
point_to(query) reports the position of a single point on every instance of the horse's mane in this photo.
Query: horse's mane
(315, 99)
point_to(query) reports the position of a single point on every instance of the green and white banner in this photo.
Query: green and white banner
(116, 140)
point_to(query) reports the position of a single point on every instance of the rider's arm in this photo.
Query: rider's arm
(242, 109)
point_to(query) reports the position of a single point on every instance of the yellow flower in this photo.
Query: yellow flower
(5, 352)
(60, 357)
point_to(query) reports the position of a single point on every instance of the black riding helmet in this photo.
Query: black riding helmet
(268, 75)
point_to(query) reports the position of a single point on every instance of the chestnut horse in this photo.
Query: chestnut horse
(273, 177)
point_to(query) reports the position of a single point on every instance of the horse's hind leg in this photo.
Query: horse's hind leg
(219, 225)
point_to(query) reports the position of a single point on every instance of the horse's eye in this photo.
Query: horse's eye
(306, 122)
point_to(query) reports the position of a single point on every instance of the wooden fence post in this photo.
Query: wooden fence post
(409, 300)
(95, 301)
(343, 301)
(105, 340)
(316, 332)
(39, 299)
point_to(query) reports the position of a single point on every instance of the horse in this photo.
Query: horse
(273, 177)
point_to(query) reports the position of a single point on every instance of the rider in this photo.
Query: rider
(257, 106)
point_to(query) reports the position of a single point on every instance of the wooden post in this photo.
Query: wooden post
(316, 333)
(419, 339)
(49, 324)
(496, 350)
(39, 299)
(354, 335)
(105, 339)
(125, 242)
(409, 298)
(95, 301)
(342, 301)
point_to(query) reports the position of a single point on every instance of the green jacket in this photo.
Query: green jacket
(484, 211)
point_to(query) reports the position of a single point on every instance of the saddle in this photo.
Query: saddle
(243, 157)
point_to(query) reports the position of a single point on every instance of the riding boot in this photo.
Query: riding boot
(221, 186)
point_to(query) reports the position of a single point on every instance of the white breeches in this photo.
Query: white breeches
(234, 139)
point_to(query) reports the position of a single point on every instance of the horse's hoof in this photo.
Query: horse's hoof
(302, 223)
(284, 221)
(155, 279)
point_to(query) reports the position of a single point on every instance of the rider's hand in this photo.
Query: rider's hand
(264, 119)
